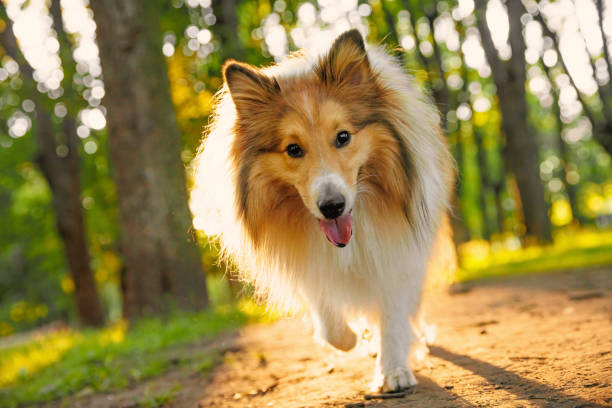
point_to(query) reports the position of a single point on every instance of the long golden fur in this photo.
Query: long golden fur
(264, 205)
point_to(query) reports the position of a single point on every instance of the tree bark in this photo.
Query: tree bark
(521, 150)
(62, 174)
(162, 260)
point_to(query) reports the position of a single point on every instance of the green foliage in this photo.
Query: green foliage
(114, 357)
(31, 254)
(571, 250)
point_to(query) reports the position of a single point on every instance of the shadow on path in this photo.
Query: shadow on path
(523, 388)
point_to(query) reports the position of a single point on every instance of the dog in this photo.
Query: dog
(325, 178)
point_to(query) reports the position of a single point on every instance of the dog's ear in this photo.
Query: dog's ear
(248, 86)
(346, 62)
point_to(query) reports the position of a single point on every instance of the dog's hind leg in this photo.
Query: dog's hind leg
(331, 326)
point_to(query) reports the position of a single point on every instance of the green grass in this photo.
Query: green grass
(571, 250)
(159, 399)
(69, 361)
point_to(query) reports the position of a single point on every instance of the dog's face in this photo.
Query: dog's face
(321, 155)
(314, 132)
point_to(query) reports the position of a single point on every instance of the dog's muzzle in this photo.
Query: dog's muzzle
(332, 206)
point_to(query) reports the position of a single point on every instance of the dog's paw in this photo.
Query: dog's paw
(397, 379)
(343, 340)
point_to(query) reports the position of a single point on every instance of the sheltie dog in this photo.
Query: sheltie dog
(325, 178)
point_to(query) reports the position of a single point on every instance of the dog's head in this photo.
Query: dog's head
(304, 140)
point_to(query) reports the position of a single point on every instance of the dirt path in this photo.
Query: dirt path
(532, 341)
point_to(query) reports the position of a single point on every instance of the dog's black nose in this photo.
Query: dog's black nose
(332, 207)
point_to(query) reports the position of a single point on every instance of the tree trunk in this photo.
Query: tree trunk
(226, 28)
(481, 156)
(521, 151)
(564, 148)
(162, 260)
(498, 190)
(440, 90)
(62, 174)
(461, 232)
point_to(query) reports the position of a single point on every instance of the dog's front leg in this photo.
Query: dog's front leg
(397, 335)
(331, 327)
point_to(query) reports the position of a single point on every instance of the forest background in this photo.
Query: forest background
(93, 96)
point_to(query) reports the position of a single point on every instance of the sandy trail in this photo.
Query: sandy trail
(530, 341)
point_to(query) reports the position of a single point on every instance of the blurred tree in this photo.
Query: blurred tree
(564, 148)
(490, 182)
(226, 29)
(161, 260)
(433, 66)
(431, 63)
(488, 228)
(59, 162)
(439, 85)
(606, 46)
(463, 96)
(521, 150)
(600, 120)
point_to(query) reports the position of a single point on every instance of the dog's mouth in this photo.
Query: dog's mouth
(338, 230)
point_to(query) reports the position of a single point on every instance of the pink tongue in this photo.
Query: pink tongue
(339, 230)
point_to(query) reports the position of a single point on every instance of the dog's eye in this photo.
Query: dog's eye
(343, 138)
(294, 150)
